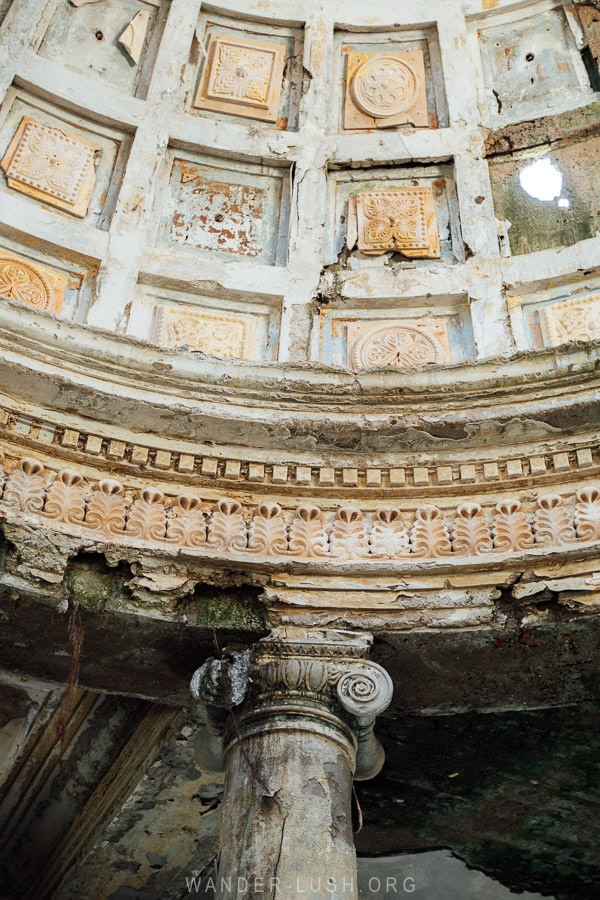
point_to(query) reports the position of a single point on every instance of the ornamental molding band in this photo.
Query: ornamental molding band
(385, 89)
(242, 76)
(397, 344)
(573, 320)
(536, 463)
(295, 670)
(35, 285)
(403, 221)
(106, 511)
(51, 165)
(228, 337)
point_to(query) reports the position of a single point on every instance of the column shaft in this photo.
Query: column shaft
(286, 827)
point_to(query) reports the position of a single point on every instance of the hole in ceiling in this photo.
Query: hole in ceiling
(543, 180)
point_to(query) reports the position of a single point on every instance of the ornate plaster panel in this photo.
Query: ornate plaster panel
(51, 165)
(402, 220)
(573, 320)
(227, 336)
(35, 285)
(397, 344)
(242, 76)
(385, 89)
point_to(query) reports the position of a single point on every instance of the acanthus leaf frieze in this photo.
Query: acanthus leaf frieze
(107, 511)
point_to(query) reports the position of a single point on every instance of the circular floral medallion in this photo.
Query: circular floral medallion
(385, 86)
(397, 346)
(20, 281)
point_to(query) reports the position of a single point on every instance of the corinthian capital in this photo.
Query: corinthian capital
(298, 672)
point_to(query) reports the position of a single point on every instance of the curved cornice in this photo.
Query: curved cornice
(113, 379)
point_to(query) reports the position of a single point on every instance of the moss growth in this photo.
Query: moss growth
(236, 608)
(95, 587)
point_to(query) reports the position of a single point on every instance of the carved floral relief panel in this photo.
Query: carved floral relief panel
(51, 165)
(412, 212)
(36, 286)
(385, 89)
(242, 327)
(228, 211)
(394, 220)
(222, 335)
(397, 344)
(242, 76)
(573, 320)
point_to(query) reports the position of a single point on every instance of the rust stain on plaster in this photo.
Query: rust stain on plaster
(217, 215)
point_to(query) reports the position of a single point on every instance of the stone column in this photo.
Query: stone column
(296, 716)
